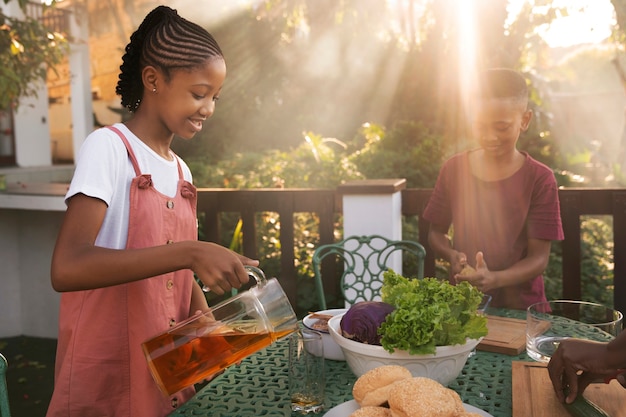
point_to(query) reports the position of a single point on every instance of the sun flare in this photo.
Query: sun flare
(584, 21)
(467, 46)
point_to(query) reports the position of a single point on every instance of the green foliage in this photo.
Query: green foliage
(409, 150)
(316, 163)
(596, 266)
(27, 51)
(329, 66)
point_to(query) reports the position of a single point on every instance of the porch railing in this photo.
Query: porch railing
(327, 203)
(54, 19)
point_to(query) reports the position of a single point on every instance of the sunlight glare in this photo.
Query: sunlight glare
(467, 47)
(587, 21)
(404, 15)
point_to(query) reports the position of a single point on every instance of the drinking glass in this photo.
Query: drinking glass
(306, 372)
(547, 323)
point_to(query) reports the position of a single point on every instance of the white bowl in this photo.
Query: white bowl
(331, 349)
(442, 366)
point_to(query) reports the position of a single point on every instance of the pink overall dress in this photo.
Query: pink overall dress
(100, 368)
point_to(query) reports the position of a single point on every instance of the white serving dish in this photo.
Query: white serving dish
(442, 366)
(331, 349)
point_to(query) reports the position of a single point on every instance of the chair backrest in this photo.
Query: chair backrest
(4, 393)
(364, 259)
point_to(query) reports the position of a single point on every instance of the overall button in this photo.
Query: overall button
(170, 204)
(174, 402)
(169, 284)
(172, 322)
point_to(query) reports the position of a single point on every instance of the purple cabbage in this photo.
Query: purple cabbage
(362, 320)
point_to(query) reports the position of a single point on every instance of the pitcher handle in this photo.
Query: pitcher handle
(253, 272)
(257, 274)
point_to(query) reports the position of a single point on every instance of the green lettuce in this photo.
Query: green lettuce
(429, 313)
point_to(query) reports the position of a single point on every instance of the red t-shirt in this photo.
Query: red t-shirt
(498, 218)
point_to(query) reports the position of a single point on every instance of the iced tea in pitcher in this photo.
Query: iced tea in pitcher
(180, 360)
(208, 343)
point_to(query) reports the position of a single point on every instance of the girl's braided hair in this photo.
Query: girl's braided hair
(166, 41)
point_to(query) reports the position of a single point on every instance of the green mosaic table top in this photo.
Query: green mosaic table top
(258, 386)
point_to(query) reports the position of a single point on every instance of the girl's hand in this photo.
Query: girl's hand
(219, 268)
(206, 316)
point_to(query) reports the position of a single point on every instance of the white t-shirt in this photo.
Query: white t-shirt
(104, 171)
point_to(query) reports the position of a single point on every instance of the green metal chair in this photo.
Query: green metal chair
(364, 259)
(4, 393)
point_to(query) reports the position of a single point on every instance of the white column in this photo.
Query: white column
(80, 80)
(12, 9)
(374, 207)
(31, 128)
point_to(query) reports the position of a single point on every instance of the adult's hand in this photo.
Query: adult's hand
(575, 364)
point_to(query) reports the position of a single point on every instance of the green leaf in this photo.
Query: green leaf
(429, 313)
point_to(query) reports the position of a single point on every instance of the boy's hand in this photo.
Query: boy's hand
(483, 279)
(457, 261)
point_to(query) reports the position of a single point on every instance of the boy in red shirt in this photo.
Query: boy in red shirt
(502, 204)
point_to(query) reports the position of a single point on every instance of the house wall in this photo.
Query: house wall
(10, 300)
(28, 304)
(32, 130)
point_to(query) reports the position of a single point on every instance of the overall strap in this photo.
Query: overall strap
(133, 159)
(131, 154)
(180, 169)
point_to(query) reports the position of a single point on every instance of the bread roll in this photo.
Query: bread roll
(467, 270)
(373, 387)
(371, 411)
(424, 397)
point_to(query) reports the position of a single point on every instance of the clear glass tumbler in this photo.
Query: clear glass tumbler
(306, 372)
(547, 323)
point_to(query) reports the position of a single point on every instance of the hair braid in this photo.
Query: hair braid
(166, 41)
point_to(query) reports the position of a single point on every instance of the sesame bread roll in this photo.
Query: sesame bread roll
(373, 387)
(424, 397)
(371, 411)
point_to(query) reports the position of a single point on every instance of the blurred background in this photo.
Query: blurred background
(343, 73)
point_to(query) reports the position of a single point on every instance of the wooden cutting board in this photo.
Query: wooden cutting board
(506, 335)
(533, 395)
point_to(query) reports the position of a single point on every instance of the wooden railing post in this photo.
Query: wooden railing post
(570, 202)
(619, 250)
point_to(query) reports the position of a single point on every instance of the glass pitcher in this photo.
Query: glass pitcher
(205, 344)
